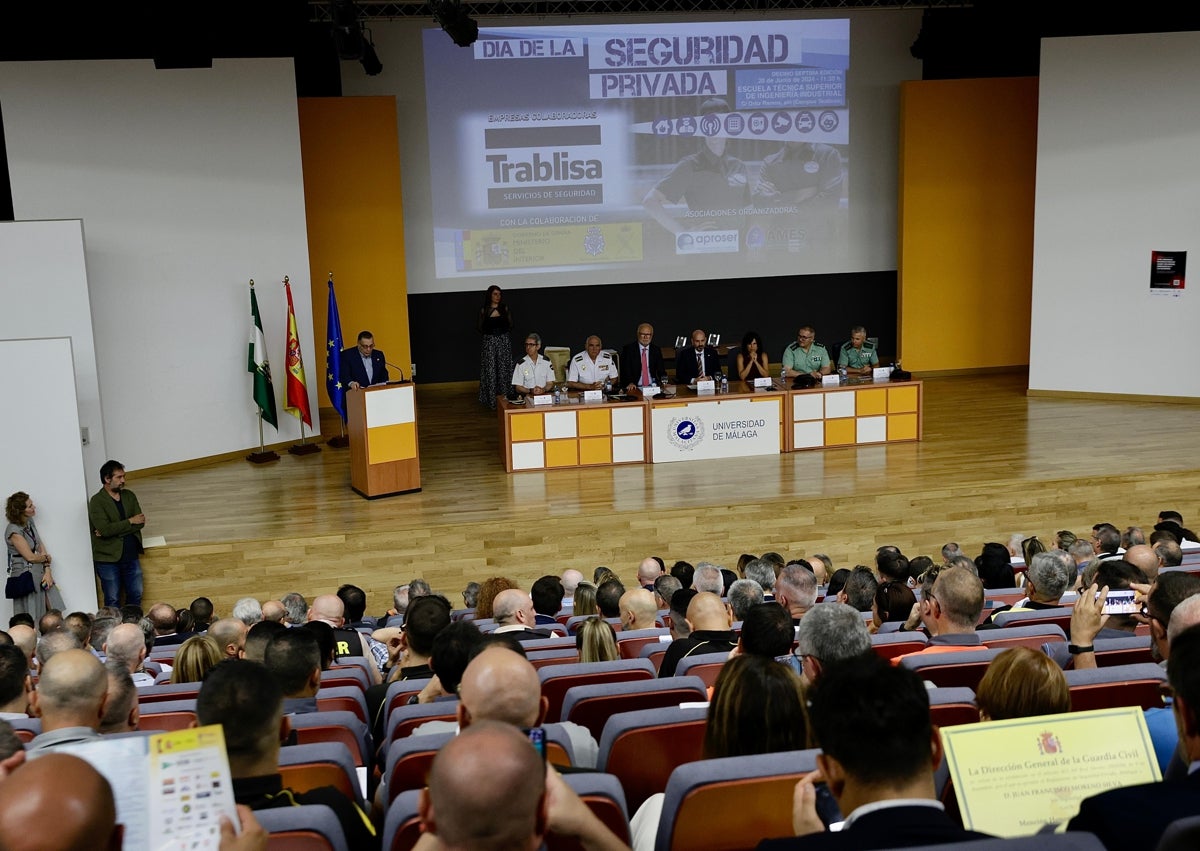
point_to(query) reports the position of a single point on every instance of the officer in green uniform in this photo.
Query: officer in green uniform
(858, 355)
(804, 357)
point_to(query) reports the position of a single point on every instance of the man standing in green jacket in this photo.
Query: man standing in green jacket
(117, 521)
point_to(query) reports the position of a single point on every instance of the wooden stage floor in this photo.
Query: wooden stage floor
(992, 462)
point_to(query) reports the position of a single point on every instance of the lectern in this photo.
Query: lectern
(383, 440)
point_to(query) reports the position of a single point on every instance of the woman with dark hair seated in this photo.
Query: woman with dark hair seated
(757, 708)
(995, 566)
(893, 601)
(751, 359)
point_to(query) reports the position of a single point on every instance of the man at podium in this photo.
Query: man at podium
(364, 365)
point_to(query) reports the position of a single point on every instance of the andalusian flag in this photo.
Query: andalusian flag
(333, 356)
(296, 401)
(264, 391)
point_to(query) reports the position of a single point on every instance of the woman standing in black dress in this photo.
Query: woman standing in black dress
(495, 357)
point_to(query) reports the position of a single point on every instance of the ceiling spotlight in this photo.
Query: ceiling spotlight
(453, 18)
(370, 59)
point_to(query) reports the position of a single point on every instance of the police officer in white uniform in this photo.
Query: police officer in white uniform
(589, 370)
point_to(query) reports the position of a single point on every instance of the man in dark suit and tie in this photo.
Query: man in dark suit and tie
(364, 365)
(879, 751)
(1136, 816)
(699, 361)
(641, 362)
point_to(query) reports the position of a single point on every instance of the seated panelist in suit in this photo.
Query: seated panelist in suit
(699, 360)
(641, 362)
(364, 365)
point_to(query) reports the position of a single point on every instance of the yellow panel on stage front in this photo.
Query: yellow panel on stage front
(527, 426)
(562, 453)
(595, 423)
(902, 427)
(391, 443)
(840, 432)
(871, 403)
(902, 400)
(595, 450)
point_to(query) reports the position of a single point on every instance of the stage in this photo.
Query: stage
(992, 462)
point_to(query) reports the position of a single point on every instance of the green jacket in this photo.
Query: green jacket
(109, 544)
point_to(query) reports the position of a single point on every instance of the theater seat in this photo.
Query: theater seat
(963, 668)
(306, 767)
(603, 795)
(307, 828)
(642, 748)
(592, 705)
(707, 802)
(654, 653)
(557, 679)
(630, 643)
(347, 698)
(1029, 617)
(405, 719)
(1033, 635)
(889, 645)
(402, 825)
(336, 726)
(1120, 685)
(169, 691)
(706, 666)
(1181, 835)
(950, 706)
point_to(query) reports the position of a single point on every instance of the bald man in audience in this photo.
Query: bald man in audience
(638, 609)
(648, 571)
(273, 610)
(347, 642)
(70, 699)
(515, 615)
(796, 590)
(570, 581)
(501, 685)
(121, 713)
(126, 645)
(711, 624)
(489, 789)
(38, 810)
(1143, 557)
(230, 635)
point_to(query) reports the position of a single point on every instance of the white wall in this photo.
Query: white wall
(43, 280)
(188, 183)
(40, 435)
(1118, 133)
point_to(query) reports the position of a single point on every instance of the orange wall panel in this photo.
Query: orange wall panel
(351, 158)
(968, 153)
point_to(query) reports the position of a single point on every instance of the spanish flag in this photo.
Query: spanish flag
(296, 397)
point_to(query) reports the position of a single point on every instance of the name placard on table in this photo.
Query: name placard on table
(1014, 777)
(763, 383)
(593, 396)
(543, 399)
(707, 387)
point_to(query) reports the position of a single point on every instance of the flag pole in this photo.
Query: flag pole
(333, 385)
(263, 455)
(297, 387)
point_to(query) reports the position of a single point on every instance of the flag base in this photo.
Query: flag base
(338, 441)
(303, 449)
(262, 457)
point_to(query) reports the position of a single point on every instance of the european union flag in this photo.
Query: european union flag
(333, 357)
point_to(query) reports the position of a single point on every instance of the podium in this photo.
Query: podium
(383, 440)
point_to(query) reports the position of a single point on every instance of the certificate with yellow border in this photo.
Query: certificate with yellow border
(1014, 777)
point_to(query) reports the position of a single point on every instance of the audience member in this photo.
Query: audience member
(638, 610)
(470, 592)
(744, 595)
(596, 641)
(248, 610)
(121, 711)
(293, 657)
(570, 580)
(763, 572)
(882, 781)
(859, 590)
(585, 600)
(829, 635)
(202, 613)
(274, 611)
(1136, 816)
(126, 645)
(648, 571)
(837, 580)
(296, 606)
(258, 637)
(893, 602)
(348, 643)
(247, 702)
(488, 590)
(1020, 683)
(15, 683)
(196, 657)
(55, 642)
(489, 789)
(950, 611)
(608, 598)
(683, 571)
(710, 622)
(70, 699)
(354, 606)
(796, 591)
(229, 634)
(767, 631)
(664, 587)
(79, 624)
(51, 621)
(1047, 578)
(516, 616)
(995, 566)
(707, 577)
(38, 810)
(547, 595)
(680, 601)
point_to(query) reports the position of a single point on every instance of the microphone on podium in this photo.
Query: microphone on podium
(399, 369)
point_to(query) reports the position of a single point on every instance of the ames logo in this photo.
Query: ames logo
(685, 432)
